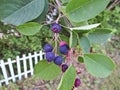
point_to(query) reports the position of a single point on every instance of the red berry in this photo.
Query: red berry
(77, 82)
(62, 43)
(64, 67)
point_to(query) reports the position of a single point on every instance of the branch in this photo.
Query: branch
(58, 3)
(115, 2)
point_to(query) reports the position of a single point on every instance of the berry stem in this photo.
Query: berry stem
(59, 38)
(60, 16)
(65, 18)
(58, 3)
(51, 41)
(56, 42)
(65, 27)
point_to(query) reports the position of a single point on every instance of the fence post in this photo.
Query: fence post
(31, 63)
(36, 60)
(4, 72)
(25, 66)
(41, 55)
(11, 70)
(18, 68)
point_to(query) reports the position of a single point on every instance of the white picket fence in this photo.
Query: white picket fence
(24, 67)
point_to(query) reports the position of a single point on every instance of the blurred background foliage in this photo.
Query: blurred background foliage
(12, 45)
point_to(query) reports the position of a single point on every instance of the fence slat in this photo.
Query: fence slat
(0, 83)
(18, 68)
(41, 55)
(4, 72)
(31, 64)
(11, 70)
(25, 65)
(36, 60)
(0, 74)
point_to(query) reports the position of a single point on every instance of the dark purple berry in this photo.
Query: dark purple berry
(64, 49)
(77, 82)
(48, 48)
(64, 67)
(56, 28)
(58, 60)
(50, 56)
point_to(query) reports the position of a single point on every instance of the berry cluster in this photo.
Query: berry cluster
(50, 56)
(64, 49)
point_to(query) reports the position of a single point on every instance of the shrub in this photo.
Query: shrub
(69, 22)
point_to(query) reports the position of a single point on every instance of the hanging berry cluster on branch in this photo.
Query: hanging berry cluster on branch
(69, 51)
(61, 54)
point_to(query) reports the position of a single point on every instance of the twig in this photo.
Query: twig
(113, 4)
(58, 3)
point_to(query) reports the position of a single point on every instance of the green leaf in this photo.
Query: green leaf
(82, 10)
(86, 27)
(63, 10)
(64, 38)
(82, 31)
(99, 35)
(84, 44)
(42, 16)
(78, 24)
(47, 71)
(99, 65)
(30, 28)
(67, 80)
(17, 12)
(73, 39)
(65, 1)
